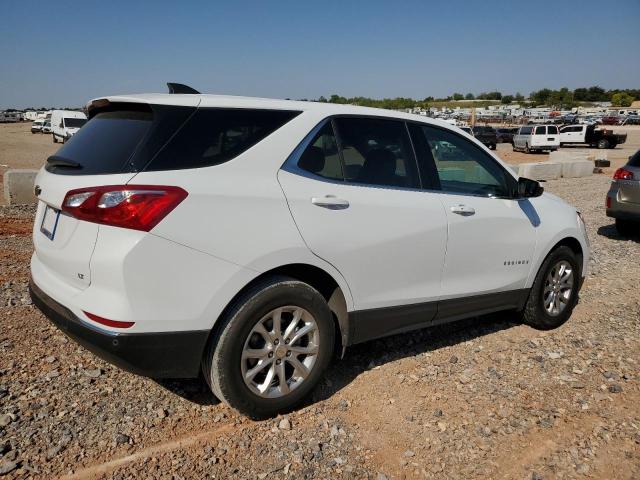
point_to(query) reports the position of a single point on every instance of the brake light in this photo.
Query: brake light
(138, 207)
(622, 174)
(107, 322)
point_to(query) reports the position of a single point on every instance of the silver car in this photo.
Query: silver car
(623, 199)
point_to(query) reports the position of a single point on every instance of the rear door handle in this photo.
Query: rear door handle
(463, 210)
(331, 202)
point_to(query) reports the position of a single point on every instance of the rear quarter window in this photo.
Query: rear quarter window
(214, 136)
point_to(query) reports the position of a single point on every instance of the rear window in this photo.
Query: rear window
(541, 131)
(104, 145)
(552, 130)
(634, 161)
(160, 137)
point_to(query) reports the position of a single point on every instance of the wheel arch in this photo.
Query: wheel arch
(568, 241)
(316, 277)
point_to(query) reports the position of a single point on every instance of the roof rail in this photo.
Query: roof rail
(180, 88)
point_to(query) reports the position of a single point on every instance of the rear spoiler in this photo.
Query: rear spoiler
(180, 88)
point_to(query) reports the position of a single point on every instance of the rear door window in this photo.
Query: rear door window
(552, 130)
(321, 157)
(542, 130)
(377, 152)
(634, 161)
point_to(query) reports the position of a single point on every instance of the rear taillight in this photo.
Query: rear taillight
(622, 174)
(138, 207)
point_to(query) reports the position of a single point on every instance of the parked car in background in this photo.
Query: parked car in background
(590, 135)
(65, 123)
(151, 251)
(505, 135)
(36, 127)
(623, 198)
(611, 120)
(536, 138)
(486, 135)
(46, 128)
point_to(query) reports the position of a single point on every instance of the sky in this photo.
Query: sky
(66, 53)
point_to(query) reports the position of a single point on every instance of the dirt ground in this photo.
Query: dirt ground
(483, 398)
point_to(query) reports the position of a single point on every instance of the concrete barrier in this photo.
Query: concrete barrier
(540, 170)
(570, 155)
(576, 168)
(18, 186)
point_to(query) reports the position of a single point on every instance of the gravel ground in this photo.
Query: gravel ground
(484, 398)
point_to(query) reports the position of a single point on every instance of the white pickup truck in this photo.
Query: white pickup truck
(590, 135)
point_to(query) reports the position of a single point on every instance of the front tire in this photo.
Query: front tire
(554, 293)
(603, 143)
(272, 348)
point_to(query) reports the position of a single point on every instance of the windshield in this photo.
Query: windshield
(74, 122)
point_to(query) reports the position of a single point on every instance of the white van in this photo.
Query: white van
(65, 123)
(531, 138)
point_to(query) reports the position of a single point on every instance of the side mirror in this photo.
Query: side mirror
(529, 188)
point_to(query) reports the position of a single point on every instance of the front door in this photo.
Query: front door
(492, 236)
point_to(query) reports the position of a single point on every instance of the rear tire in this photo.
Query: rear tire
(550, 304)
(55, 140)
(627, 228)
(603, 143)
(526, 148)
(492, 146)
(249, 327)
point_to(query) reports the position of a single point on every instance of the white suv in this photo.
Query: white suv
(250, 239)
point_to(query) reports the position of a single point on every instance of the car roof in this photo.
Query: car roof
(231, 101)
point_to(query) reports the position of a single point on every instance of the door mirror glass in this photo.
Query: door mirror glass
(529, 188)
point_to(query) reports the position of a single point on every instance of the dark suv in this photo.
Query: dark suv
(505, 135)
(487, 135)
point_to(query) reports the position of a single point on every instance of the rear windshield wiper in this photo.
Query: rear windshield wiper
(57, 161)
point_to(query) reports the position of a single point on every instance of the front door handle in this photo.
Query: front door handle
(463, 210)
(331, 202)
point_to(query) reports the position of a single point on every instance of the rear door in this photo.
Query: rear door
(98, 155)
(358, 205)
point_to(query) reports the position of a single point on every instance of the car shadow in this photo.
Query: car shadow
(362, 357)
(611, 232)
(366, 356)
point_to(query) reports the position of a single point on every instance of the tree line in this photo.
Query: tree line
(562, 98)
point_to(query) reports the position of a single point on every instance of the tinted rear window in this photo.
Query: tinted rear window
(552, 130)
(634, 161)
(541, 131)
(214, 136)
(105, 144)
(163, 138)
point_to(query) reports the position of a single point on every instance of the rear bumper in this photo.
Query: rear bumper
(619, 209)
(155, 355)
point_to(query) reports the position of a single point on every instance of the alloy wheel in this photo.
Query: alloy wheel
(558, 288)
(280, 351)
